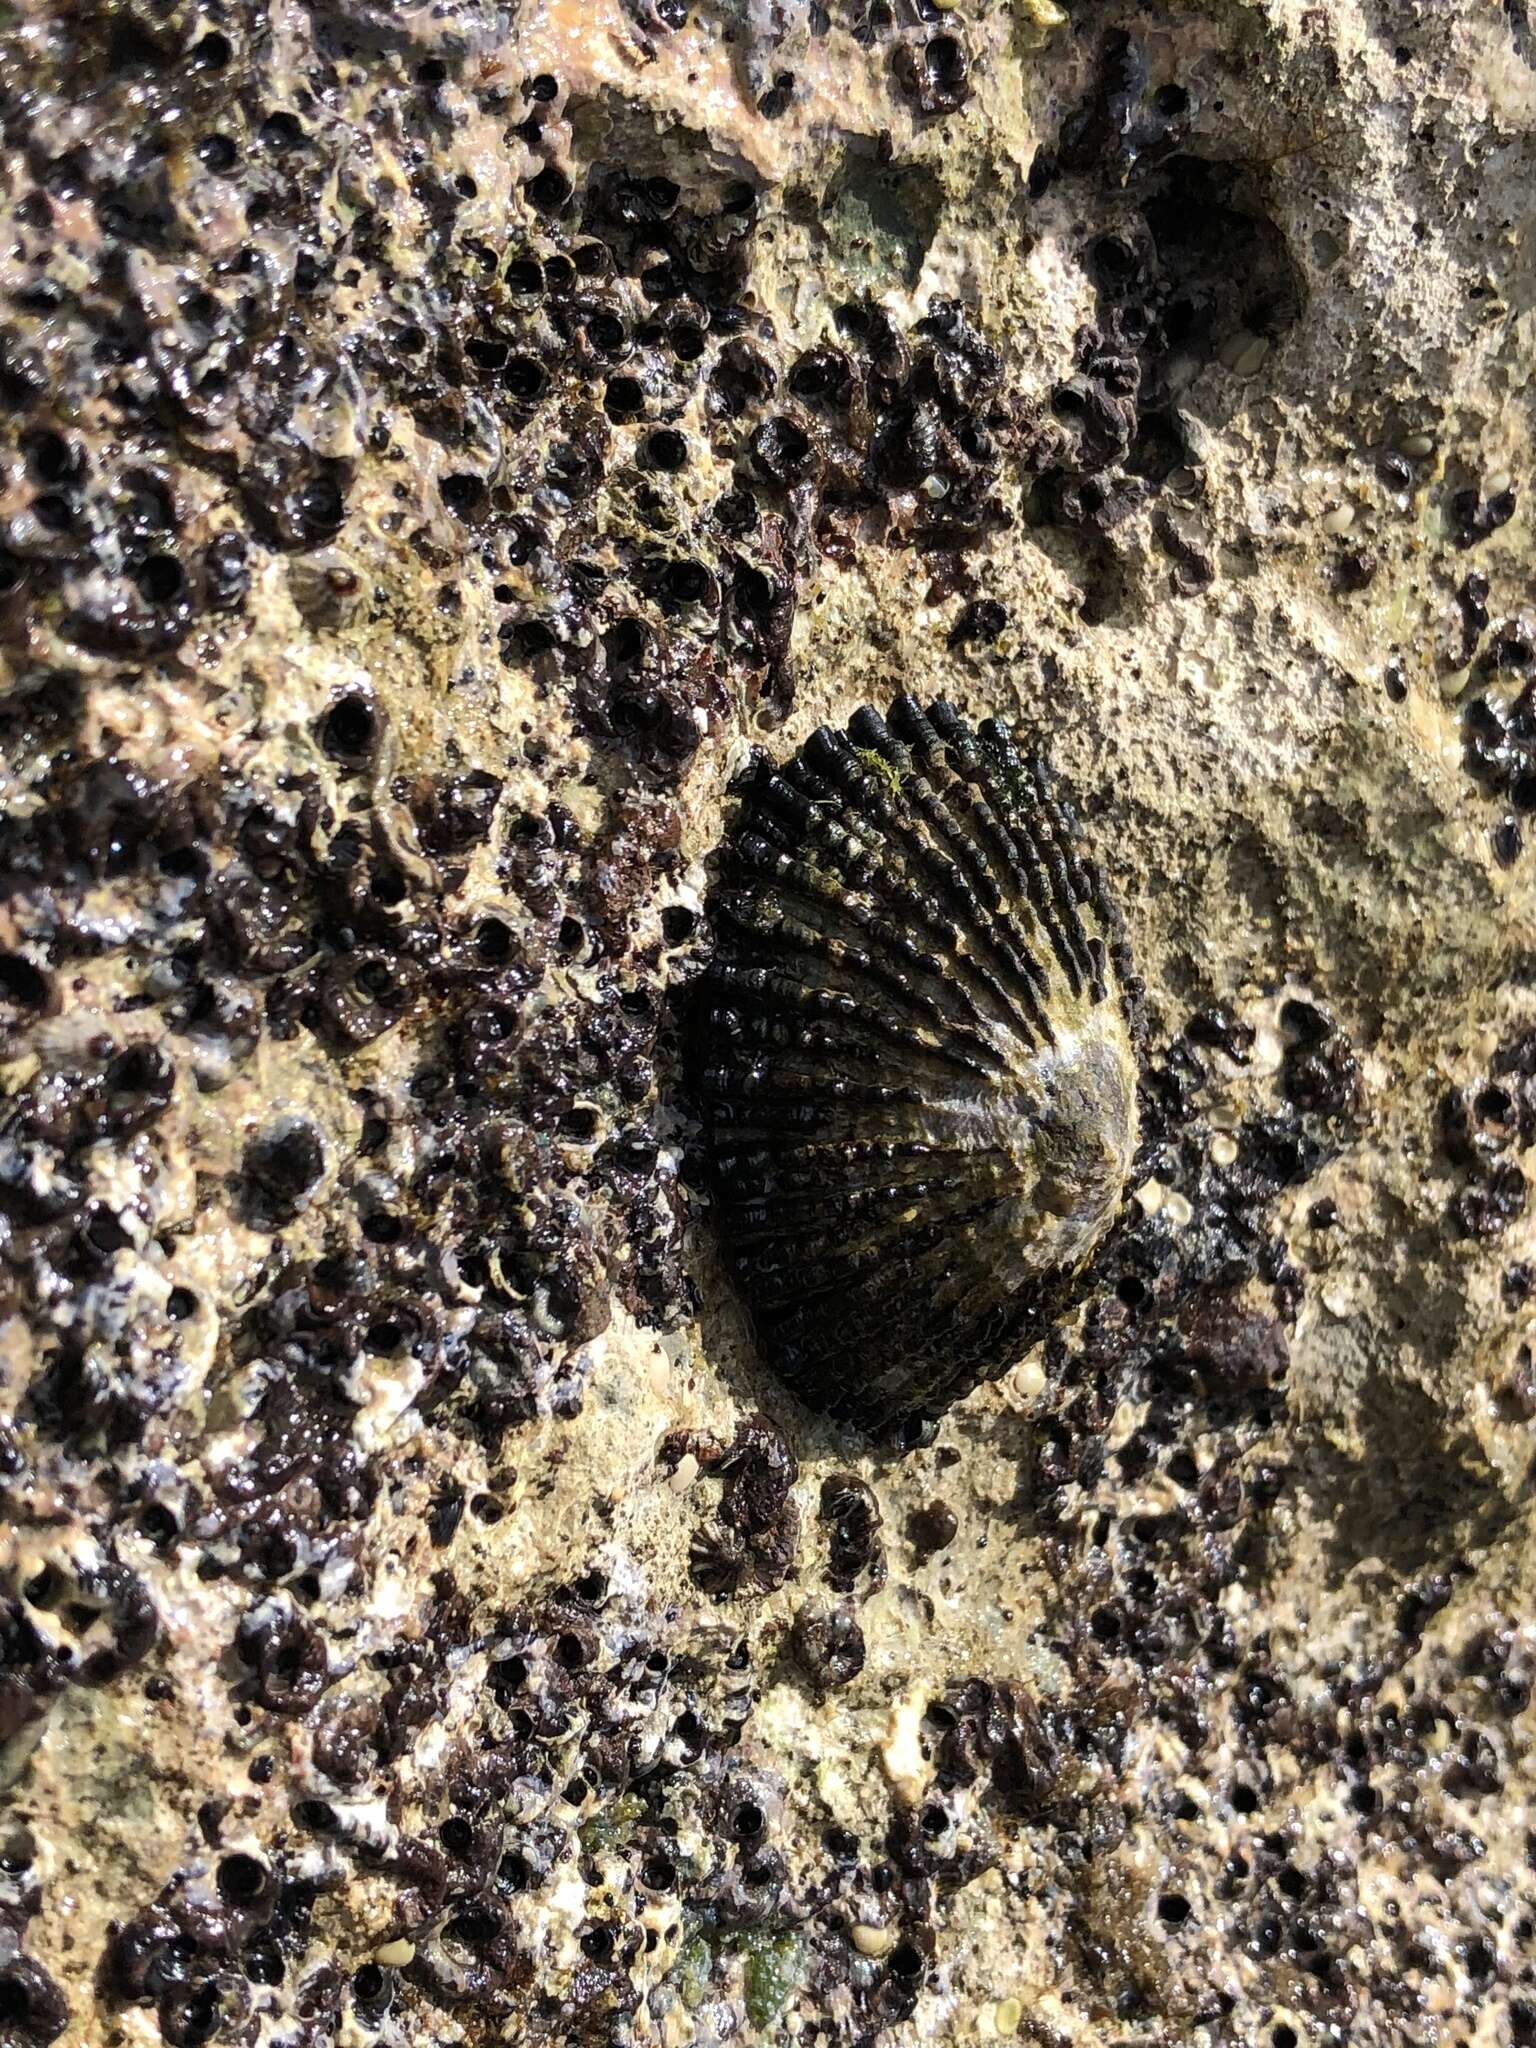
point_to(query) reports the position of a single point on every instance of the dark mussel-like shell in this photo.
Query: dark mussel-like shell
(915, 1056)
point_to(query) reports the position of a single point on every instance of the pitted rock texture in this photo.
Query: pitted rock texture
(438, 444)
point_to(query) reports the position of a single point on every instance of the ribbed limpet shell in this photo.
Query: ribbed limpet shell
(915, 1056)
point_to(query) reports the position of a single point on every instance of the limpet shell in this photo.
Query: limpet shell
(915, 1055)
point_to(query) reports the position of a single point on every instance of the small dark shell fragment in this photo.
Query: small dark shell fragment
(915, 1059)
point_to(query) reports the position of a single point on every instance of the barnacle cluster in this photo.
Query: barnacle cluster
(1485, 1127)
(435, 448)
(1498, 724)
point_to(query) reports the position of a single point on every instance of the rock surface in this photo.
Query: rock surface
(439, 442)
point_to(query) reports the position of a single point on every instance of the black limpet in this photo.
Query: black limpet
(915, 1058)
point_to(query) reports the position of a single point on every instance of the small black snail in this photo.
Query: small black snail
(916, 1059)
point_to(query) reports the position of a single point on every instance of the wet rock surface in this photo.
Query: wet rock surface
(436, 445)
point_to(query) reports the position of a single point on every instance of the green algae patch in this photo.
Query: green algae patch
(773, 1969)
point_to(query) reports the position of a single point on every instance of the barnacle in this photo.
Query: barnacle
(915, 1055)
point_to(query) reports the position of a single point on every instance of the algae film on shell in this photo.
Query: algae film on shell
(916, 1057)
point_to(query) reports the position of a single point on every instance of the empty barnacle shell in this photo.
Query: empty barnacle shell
(915, 1058)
